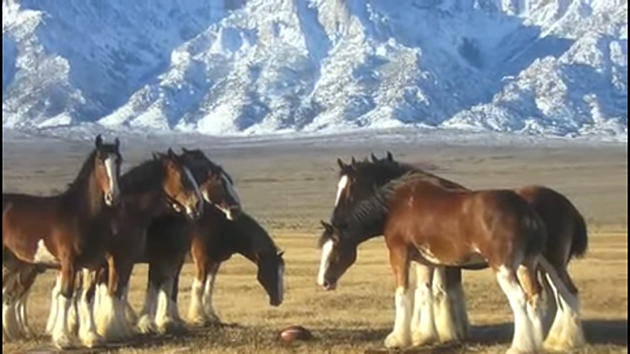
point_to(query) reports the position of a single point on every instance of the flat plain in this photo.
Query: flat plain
(289, 188)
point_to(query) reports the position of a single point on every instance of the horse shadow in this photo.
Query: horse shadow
(597, 332)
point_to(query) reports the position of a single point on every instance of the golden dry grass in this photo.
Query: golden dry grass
(289, 190)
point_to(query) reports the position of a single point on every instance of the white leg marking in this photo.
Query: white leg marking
(401, 336)
(10, 326)
(87, 325)
(444, 311)
(196, 314)
(423, 330)
(524, 338)
(60, 333)
(325, 261)
(166, 317)
(146, 323)
(54, 307)
(566, 332)
(110, 319)
(341, 185)
(208, 291)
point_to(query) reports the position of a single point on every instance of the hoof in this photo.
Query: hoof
(146, 325)
(62, 342)
(396, 340)
(172, 327)
(91, 339)
(420, 339)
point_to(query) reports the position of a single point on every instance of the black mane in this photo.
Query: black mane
(199, 155)
(145, 177)
(364, 216)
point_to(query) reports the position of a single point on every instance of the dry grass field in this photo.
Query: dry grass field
(290, 189)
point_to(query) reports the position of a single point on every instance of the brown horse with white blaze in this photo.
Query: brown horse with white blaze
(567, 238)
(68, 232)
(425, 220)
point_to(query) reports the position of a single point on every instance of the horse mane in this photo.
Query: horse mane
(259, 239)
(199, 155)
(143, 178)
(84, 173)
(370, 212)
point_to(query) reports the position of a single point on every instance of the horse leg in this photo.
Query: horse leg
(61, 331)
(111, 322)
(10, 325)
(26, 283)
(146, 322)
(54, 308)
(524, 340)
(130, 314)
(167, 317)
(423, 331)
(566, 332)
(74, 316)
(196, 313)
(457, 298)
(208, 305)
(87, 325)
(444, 308)
(528, 279)
(400, 336)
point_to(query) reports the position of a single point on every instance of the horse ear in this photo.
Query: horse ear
(342, 165)
(354, 162)
(390, 157)
(374, 158)
(280, 253)
(327, 226)
(185, 150)
(171, 153)
(99, 141)
(116, 143)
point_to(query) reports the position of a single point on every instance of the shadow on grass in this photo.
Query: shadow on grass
(598, 332)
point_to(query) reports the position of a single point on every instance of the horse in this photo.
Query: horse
(154, 187)
(165, 253)
(214, 240)
(157, 187)
(68, 232)
(567, 239)
(426, 220)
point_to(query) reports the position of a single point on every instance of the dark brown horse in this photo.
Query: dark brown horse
(158, 187)
(169, 241)
(214, 240)
(426, 220)
(68, 232)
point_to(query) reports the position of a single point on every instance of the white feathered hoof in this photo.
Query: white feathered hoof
(91, 339)
(146, 325)
(397, 340)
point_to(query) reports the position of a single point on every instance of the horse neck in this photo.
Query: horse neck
(149, 204)
(84, 197)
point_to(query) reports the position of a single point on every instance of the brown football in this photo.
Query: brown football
(295, 332)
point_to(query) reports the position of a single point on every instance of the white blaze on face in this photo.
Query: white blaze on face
(281, 282)
(196, 187)
(230, 191)
(110, 168)
(325, 262)
(343, 183)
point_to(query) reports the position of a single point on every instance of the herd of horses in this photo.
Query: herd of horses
(175, 205)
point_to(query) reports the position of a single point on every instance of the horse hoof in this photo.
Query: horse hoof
(62, 342)
(145, 325)
(172, 327)
(91, 339)
(396, 340)
(419, 340)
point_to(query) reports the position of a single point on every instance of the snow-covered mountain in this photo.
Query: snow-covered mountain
(554, 67)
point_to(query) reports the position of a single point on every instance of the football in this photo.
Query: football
(295, 332)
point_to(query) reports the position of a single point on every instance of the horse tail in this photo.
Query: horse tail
(579, 242)
(536, 232)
